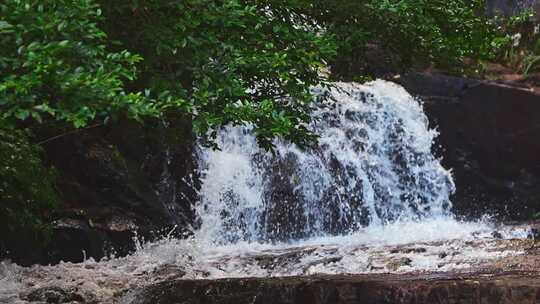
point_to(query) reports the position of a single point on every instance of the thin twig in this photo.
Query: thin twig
(68, 133)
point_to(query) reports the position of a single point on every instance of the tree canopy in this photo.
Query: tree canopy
(414, 32)
(220, 62)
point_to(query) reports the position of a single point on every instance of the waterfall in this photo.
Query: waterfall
(372, 166)
(370, 197)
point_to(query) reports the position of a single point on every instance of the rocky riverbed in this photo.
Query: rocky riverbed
(511, 287)
(500, 265)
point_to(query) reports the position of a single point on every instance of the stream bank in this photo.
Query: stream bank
(477, 268)
(479, 288)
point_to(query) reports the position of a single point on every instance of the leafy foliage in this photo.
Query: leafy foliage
(233, 62)
(415, 32)
(26, 190)
(522, 49)
(221, 62)
(54, 65)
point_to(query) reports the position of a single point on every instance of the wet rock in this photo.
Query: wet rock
(534, 232)
(375, 268)
(73, 240)
(496, 235)
(272, 261)
(324, 261)
(169, 271)
(267, 261)
(121, 223)
(116, 182)
(394, 265)
(365, 289)
(408, 250)
(442, 255)
(59, 295)
(489, 137)
(286, 219)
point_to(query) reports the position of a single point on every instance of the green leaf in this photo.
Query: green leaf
(22, 114)
(37, 117)
(5, 27)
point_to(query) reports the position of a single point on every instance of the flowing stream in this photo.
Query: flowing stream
(370, 197)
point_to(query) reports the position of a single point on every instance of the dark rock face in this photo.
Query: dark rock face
(118, 182)
(534, 233)
(285, 215)
(489, 136)
(382, 289)
(60, 295)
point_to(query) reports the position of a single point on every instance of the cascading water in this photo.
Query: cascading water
(373, 165)
(370, 197)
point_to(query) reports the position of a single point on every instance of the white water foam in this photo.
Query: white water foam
(432, 245)
(372, 166)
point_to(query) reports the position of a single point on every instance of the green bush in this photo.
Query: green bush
(27, 193)
(449, 34)
(232, 62)
(520, 49)
(54, 65)
(220, 62)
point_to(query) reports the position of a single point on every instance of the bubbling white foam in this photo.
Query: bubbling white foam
(372, 166)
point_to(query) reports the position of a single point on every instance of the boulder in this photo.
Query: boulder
(489, 137)
(116, 183)
(366, 289)
(59, 295)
